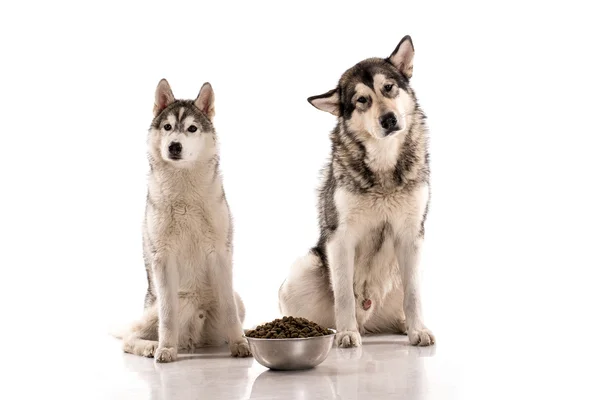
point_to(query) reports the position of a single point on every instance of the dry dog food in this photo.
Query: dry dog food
(288, 327)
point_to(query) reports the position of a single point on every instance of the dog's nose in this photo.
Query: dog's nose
(388, 121)
(175, 149)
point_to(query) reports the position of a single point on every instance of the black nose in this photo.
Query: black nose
(175, 149)
(388, 121)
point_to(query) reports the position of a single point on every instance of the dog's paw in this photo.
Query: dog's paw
(149, 350)
(165, 354)
(348, 339)
(421, 337)
(128, 347)
(402, 327)
(189, 346)
(240, 348)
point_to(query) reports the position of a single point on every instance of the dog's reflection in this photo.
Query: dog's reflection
(387, 368)
(209, 373)
(381, 368)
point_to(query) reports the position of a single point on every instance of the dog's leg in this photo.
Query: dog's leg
(306, 292)
(166, 277)
(142, 338)
(223, 279)
(389, 316)
(191, 318)
(409, 255)
(240, 307)
(340, 252)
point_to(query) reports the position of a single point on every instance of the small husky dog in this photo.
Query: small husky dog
(362, 277)
(187, 236)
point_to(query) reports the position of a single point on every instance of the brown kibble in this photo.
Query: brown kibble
(288, 327)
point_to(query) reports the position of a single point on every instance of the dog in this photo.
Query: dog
(361, 277)
(187, 237)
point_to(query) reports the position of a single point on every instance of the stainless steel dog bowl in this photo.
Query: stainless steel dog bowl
(291, 354)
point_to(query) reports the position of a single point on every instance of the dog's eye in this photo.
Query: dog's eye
(388, 87)
(192, 128)
(362, 99)
(167, 127)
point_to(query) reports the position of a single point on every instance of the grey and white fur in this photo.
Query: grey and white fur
(187, 237)
(362, 276)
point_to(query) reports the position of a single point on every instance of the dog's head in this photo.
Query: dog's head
(374, 97)
(182, 132)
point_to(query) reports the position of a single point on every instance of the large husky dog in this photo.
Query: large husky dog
(187, 236)
(362, 275)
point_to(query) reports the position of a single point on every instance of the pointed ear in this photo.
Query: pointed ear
(329, 102)
(402, 57)
(206, 100)
(162, 97)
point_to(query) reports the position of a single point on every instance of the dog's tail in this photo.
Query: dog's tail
(119, 332)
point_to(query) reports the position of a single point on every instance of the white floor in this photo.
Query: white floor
(385, 367)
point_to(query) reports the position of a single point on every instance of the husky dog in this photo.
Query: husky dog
(187, 236)
(362, 277)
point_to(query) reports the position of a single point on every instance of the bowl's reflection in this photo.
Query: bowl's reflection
(384, 367)
(309, 384)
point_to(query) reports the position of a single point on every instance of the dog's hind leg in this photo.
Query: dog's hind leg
(192, 319)
(142, 338)
(389, 317)
(240, 307)
(306, 292)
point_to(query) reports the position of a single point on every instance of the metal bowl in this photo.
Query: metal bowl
(291, 354)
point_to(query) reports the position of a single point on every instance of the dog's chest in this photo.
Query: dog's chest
(190, 232)
(361, 214)
(190, 227)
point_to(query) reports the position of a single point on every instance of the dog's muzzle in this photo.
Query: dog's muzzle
(389, 122)
(175, 149)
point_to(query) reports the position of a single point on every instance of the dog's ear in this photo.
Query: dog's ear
(206, 100)
(402, 57)
(329, 102)
(163, 96)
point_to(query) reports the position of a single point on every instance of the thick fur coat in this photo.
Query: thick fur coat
(362, 276)
(187, 237)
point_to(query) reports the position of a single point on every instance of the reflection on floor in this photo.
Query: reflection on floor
(385, 367)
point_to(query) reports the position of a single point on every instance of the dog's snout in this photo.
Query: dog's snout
(175, 149)
(388, 121)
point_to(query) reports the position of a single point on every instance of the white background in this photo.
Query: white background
(511, 90)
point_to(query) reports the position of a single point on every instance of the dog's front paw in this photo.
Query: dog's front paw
(348, 339)
(240, 348)
(165, 354)
(421, 337)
